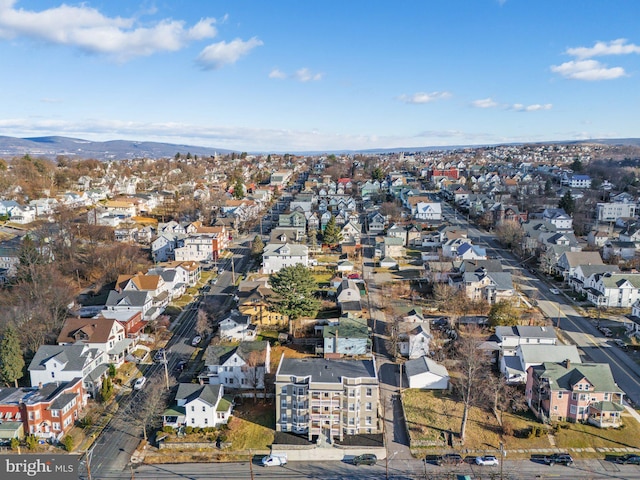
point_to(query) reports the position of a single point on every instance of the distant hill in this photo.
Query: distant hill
(53, 146)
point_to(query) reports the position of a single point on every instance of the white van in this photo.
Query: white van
(274, 459)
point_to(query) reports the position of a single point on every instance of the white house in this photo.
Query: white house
(105, 334)
(613, 289)
(199, 406)
(510, 337)
(425, 373)
(428, 211)
(237, 327)
(413, 341)
(276, 256)
(54, 363)
(240, 367)
(514, 367)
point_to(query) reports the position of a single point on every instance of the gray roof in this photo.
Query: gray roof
(424, 365)
(133, 298)
(502, 280)
(219, 354)
(294, 249)
(588, 270)
(191, 391)
(325, 370)
(538, 354)
(525, 331)
(75, 357)
(563, 378)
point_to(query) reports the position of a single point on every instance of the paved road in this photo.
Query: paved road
(112, 450)
(577, 329)
(398, 470)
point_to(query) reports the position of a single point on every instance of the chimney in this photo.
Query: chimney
(567, 364)
(40, 386)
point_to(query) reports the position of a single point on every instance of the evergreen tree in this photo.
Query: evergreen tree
(567, 203)
(106, 390)
(294, 289)
(332, 234)
(11, 360)
(238, 189)
(257, 246)
(377, 174)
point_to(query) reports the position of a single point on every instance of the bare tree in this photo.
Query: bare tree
(203, 324)
(144, 410)
(472, 366)
(255, 371)
(392, 329)
(510, 233)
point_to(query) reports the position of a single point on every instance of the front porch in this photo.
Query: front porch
(605, 414)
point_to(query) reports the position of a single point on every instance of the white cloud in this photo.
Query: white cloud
(421, 97)
(91, 31)
(591, 70)
(518, 107)
(219, 54)
(614, 47)
(302, 75)
(485, 103)
(276, 73)
(305, 75)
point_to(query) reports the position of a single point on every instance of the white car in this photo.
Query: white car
(139, 383)
(196, 340)
(487, 460)
(555, 291)
(274, 460)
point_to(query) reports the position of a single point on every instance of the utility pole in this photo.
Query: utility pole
(166, 371)
(88, 455)
(233, 270)
(251, 464)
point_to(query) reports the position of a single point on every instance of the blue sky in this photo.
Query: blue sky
(321, 75)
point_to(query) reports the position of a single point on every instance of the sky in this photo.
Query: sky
(278, 76)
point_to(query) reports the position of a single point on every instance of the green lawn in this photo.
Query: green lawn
(252, 426)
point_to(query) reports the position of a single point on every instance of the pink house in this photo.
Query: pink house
(584, 392)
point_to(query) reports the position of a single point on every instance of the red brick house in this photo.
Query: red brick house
(47, 411)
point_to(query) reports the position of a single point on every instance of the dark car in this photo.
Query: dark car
(561, 458)
(450, 459)
(180, 365)
(365, 459)
(629, 458)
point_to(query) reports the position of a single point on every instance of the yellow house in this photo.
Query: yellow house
(252, 301)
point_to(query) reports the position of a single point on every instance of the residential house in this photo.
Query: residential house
(619, 290)
(199, 406)
(48, 411)
(327, 398)
(131, 301)
(509, 338)
(620, 250)
(346, 338)
(348, 297)
(53, 363)
(414, 340)
(428, 211)
(426, 374)
(514, 367)
(576, 393)
(239, 367)
(582, 273)
(236, 327)
(559, 218)
(376, 223)
(351, 233)
(253, 300)
(569, 261)
(277, 256)
(107, 335)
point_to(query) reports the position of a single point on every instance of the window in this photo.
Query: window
(193, 420)
(367, 421)
(559, 394)
(574, 396)
(367, 406)
(284, 389)
(204, 409)
(55, 413)
(193, 409)
(606, 396)
(573, 409)
(555, 408)
(369, 391)
(206, 421)
(53, 374)
(56, 426)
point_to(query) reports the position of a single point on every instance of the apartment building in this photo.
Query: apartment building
(327, 399)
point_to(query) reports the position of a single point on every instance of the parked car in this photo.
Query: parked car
(555, 291)
(139, 383)
(449, 459)
(274, 460)
(220, 271)
(561, 458)
(487, 460)
(159, 355)
(630, 458)
(180, 365)
(365, 459)
(196, 340)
